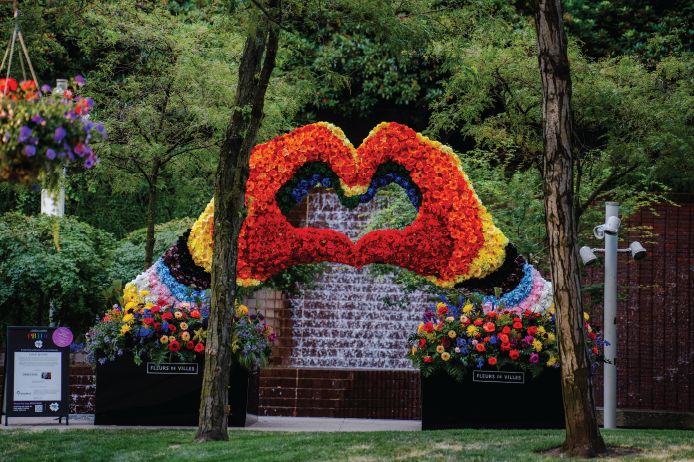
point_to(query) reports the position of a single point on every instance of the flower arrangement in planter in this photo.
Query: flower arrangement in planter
(41, 134)
(476, 335)
(164, 332)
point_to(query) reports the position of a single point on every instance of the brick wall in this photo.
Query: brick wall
(654, 338)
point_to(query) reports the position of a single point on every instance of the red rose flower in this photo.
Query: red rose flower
(517, 325)
(148, 321)
(174, 346)
(517, 319)
(478, 322)
(491, 314)
(513, 354)
(532, 330)
(155, 309)
(157, 325)
(167, 316)
(172, 328)
(162, 302)
(439, 327)
(595, 350)
(445, 342)
(527, 313)
(190, 345)
(506, 330)
(427, 359)
(591, 335)
(489, 327)
(505, 346)
(480, 347)
(428, 327)
(442, 310)
(492, 361)
(195, 314)
(503, 337)
(422, 343)
(199, 348)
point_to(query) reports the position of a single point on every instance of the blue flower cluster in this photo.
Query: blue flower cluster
(518, 294)
(301, 189)
(177, 289)
(386, 180)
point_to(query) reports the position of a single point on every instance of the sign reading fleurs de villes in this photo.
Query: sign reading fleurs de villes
(498, 376)
(36, 372)
(172, 368)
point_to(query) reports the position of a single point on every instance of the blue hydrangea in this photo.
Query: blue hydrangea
(177, 289)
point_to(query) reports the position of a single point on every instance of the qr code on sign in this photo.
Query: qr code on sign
(38, 408)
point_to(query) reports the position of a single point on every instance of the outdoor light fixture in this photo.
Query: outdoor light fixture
(599, 232)
(612, 225)
(637, 251)
(588, 256)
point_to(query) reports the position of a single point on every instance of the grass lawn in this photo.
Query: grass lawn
(142, 444)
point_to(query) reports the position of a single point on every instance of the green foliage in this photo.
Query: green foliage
(33, 273)
(129, 255)
(649, 29)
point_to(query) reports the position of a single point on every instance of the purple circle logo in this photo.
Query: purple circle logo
(62, 337)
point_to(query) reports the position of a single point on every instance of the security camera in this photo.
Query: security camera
(587, 256)
(599, 232)
(638, 253)
(612, 225)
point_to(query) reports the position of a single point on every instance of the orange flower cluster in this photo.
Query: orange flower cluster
(451, 240)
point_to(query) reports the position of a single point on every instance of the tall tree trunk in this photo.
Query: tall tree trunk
(151, 214)
(582, 434)
(229, 214)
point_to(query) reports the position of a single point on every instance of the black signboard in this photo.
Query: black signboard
(37, 377)
(498, 376)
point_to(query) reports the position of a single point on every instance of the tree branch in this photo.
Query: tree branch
(612, 176)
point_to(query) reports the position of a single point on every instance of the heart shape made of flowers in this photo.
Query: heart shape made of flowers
(453, 238)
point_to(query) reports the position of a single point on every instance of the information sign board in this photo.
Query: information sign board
(37, 377)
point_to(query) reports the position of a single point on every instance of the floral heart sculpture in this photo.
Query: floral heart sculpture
(453, 238)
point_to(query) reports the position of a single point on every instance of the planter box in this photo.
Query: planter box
(126, 394)
(492, 399)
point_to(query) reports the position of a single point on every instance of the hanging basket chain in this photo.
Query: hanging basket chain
(10, 49)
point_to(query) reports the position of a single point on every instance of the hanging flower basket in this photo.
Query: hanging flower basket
(40, 135)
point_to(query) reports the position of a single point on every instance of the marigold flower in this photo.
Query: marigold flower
(451, 334)
(450, 319)
(185, 336)
(164, 339)
(184, 326)
(445, 356)
(178, 315)
(440, 349)
(171, 338)
(537, 345)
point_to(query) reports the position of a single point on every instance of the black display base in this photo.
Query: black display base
(127, 395)
(535, 404)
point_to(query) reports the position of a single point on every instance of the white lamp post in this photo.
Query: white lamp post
(54, 203)
(609, 231)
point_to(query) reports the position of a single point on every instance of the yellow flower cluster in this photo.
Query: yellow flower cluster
(201, 238)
